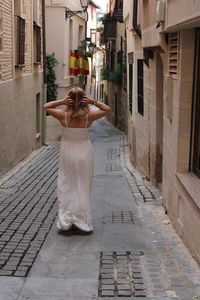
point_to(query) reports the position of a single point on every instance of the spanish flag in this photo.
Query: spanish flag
(74, 63)
(85, 66)
(80, 67)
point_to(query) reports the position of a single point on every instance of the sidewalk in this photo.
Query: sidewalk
(133, 253)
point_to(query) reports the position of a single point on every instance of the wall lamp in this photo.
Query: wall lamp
(84, 5)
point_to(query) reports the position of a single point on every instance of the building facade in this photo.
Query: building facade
(164, 104)
(21, 80)
(114, 72)
(63, 36)
(92, 43)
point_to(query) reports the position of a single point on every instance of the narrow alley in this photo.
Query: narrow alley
(133, 252)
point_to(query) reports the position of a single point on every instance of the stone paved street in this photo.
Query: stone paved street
(133, 253)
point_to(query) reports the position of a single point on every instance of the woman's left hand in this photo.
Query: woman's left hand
(86, 101)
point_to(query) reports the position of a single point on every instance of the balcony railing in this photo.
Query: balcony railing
(118, 15)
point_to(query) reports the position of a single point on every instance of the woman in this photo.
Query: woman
(75, 171)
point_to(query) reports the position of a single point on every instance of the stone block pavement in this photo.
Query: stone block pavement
(133, 253)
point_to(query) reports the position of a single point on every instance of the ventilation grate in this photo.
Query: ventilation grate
(120, 275)
(173, 53)
(120, 217)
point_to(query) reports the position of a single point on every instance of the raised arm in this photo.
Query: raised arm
(50, 107)
(96, 114)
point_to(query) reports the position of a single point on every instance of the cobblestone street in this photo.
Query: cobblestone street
(133, 253)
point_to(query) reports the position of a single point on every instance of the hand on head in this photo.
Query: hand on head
(85, 101)
(70, 102)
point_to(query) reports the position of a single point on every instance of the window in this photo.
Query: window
(173, 53)
(130, 94)
(93, 36)
(81, 33)
(37, 43)
(136, 26)
(196, 92)
(19, 35)
(140, 86)
(19, 41)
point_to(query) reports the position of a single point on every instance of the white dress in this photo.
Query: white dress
(75, 174)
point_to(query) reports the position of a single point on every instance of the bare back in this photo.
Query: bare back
(71, 122)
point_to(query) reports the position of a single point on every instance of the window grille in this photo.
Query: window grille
(140, 85)
(19, 41)
(173, 53)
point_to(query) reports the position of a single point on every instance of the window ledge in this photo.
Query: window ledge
(191, 183)
(37, 63)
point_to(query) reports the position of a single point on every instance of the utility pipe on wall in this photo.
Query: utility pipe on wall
(44, 74)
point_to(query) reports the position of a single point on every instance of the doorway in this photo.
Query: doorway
(159, 121)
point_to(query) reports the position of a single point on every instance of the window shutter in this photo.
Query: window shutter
(173, 53)
(37, 30)
(19, 41)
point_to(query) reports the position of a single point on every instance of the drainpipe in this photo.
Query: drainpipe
(44, 75)
(86, 20)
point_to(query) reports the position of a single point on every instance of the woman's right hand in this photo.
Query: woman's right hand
(68, 101)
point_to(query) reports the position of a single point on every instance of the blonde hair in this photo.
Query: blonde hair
(78, 110)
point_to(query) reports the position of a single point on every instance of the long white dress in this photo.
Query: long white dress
(75, 174)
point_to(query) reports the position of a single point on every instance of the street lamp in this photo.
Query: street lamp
(84, 5)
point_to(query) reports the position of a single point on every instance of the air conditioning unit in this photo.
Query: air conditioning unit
(160, 11)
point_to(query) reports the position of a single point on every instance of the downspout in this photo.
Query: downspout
(44, 75)
(86, 20)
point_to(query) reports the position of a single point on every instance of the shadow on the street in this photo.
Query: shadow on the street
(73, 231)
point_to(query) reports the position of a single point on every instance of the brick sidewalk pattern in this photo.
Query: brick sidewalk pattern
(27, 211)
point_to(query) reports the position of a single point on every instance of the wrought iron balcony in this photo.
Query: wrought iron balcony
(110, 29)
(118, 15)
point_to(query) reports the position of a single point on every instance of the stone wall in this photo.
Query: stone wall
(20, 89)
(6, 56)
(160, 141)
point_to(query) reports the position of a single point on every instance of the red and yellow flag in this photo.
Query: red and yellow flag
(112, 6)
(74, 63)
(85, 66)
(79, 64)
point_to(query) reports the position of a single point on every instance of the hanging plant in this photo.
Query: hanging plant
(82, 49)
(105, 72)
(51, 62)
(115, 75)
